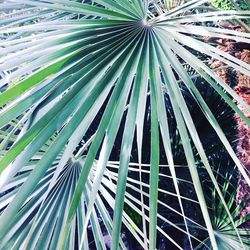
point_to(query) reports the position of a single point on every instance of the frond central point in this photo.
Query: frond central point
(145, 23)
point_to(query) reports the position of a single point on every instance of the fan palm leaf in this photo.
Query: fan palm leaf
(64, 61)
(225, 233)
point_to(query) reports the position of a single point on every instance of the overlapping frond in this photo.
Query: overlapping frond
(66, 63)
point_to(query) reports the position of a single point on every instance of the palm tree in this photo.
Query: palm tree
(241, 51)
(74, 76)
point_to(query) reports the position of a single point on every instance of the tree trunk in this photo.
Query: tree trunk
(242, 52)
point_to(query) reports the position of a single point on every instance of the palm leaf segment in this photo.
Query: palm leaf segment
(226, 236)
(63, 61)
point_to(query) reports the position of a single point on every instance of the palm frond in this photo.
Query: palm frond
(63, 62)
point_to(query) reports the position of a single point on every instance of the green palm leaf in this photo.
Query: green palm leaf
(226, 236)
(64, 64)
